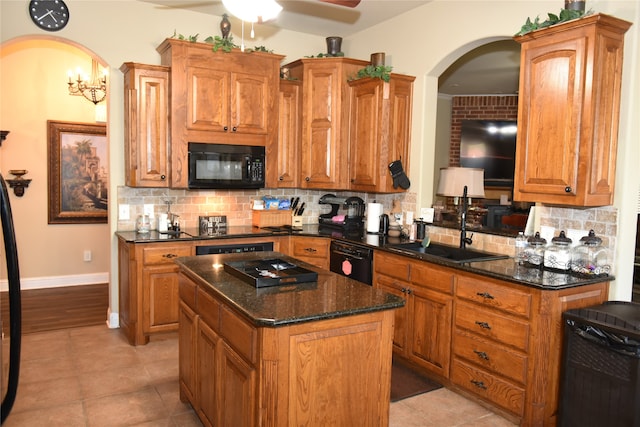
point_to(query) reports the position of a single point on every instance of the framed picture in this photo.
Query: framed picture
(78, 173)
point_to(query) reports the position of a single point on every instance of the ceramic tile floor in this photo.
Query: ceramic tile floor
(92, 377)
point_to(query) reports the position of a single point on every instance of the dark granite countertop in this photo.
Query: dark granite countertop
(331, 296)
(503, 269)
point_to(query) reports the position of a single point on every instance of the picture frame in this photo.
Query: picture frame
(78, 177)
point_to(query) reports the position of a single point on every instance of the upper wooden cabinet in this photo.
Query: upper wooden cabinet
(325, 114)
(219, 97)
(569, 100)
(380, 131)
(146, 123)
(285, 173)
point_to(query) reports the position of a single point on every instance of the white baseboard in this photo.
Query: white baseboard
(58, 281)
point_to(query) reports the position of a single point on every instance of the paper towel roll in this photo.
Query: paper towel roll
(374, 210)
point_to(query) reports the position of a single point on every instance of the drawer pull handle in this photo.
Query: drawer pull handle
(310, 250)
(483, 325)
(481, 354)
(485, 295)
(479, 384)
(169, 256)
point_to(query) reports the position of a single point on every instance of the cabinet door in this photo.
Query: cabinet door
(287, 169)
(324, 156)
(146, 125)
(249, 105)
(208, 386)
(401, 324)
(237, 390)
(549, 118)
(160, 298)
(187, 344)
(207, 99)
(365, 138)
(431, 337)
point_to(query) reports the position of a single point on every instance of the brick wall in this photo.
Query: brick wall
(478, 108)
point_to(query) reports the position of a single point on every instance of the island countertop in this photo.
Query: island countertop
(331, 296)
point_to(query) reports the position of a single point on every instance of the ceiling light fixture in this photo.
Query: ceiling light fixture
(253, 10)
(95, 90)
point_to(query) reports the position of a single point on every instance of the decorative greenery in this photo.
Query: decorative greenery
(565, 15)
(192, 39)
(220, 43)
(382, 72)
(259, 49)
(326, 55)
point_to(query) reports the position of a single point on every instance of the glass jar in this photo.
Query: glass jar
(590, 257)
(534, 252)
(558, 254)
(143, 224)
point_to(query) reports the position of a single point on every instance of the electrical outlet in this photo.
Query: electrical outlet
(123, 212)
(148, 210)
(87, 255)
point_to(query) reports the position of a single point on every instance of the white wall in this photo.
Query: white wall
(423, 42)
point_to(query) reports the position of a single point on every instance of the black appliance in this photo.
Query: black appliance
(234, 248)
(224, 166)
(600, 382)
(351, 260)
(350, 220)
(15, 310)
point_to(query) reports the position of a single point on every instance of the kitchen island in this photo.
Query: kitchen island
(315, 353)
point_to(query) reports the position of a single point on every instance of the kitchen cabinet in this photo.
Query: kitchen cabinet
(314, 250)
(380, 131)
(251, 375)
(285, 172)
(146, 123)
(325, 120)
(219, 97)
(422, 332)
(568, 112)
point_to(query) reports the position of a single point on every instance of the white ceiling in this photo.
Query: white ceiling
(489, 69)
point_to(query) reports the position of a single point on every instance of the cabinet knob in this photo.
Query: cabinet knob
(479, 384)
(483, 325)
(567, 189)
(169, 256)
(312, 250)
(404, 290)
(163, 177)
(307, 179)
(234, 129)
(281, 178)
(226, 128)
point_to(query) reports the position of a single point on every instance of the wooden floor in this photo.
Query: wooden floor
(59, 308)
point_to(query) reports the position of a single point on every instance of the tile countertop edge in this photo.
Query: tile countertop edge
(494, 269)
(242, 296)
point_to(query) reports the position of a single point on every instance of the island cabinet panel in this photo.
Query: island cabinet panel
(187, 336)
(423, 326)
(568, 112)
(311, 373)
(219, 97)
(146, 122)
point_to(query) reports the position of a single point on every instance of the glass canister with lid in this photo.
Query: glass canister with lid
(558, 255)
(590, 257)
(534, 252)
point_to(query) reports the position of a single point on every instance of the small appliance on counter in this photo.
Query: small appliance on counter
(350, 221)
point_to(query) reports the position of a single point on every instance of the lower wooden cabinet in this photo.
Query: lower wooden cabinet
(236, 374)
(314, 250)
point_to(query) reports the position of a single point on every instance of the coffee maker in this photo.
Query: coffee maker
(350, 220)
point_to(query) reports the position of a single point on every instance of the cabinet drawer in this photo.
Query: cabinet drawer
(239, 334)
(310, 248)
(187, 291)
(492, 325)
(208, 309)
(488, 387)
(487, 293)
(432, 277)
(164, 254)
(492, 357)
(392, 265)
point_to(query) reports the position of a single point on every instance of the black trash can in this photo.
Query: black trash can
(600, 378)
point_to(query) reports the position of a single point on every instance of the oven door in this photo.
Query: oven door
(353, 261)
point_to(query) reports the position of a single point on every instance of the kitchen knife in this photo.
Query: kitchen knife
(295, 203)
(300, 210)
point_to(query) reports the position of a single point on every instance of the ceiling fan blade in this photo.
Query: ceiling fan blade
(348, 3)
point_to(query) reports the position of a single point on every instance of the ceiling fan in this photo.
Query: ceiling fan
(347, 3)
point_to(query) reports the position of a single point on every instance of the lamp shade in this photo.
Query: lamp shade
(253, 10)
(453, 180)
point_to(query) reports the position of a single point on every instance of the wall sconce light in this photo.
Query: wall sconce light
(18, 183)
(95, 90)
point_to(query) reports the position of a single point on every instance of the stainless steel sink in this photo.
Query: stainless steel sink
(450, 253)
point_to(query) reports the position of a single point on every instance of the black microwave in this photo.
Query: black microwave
(225, 166)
